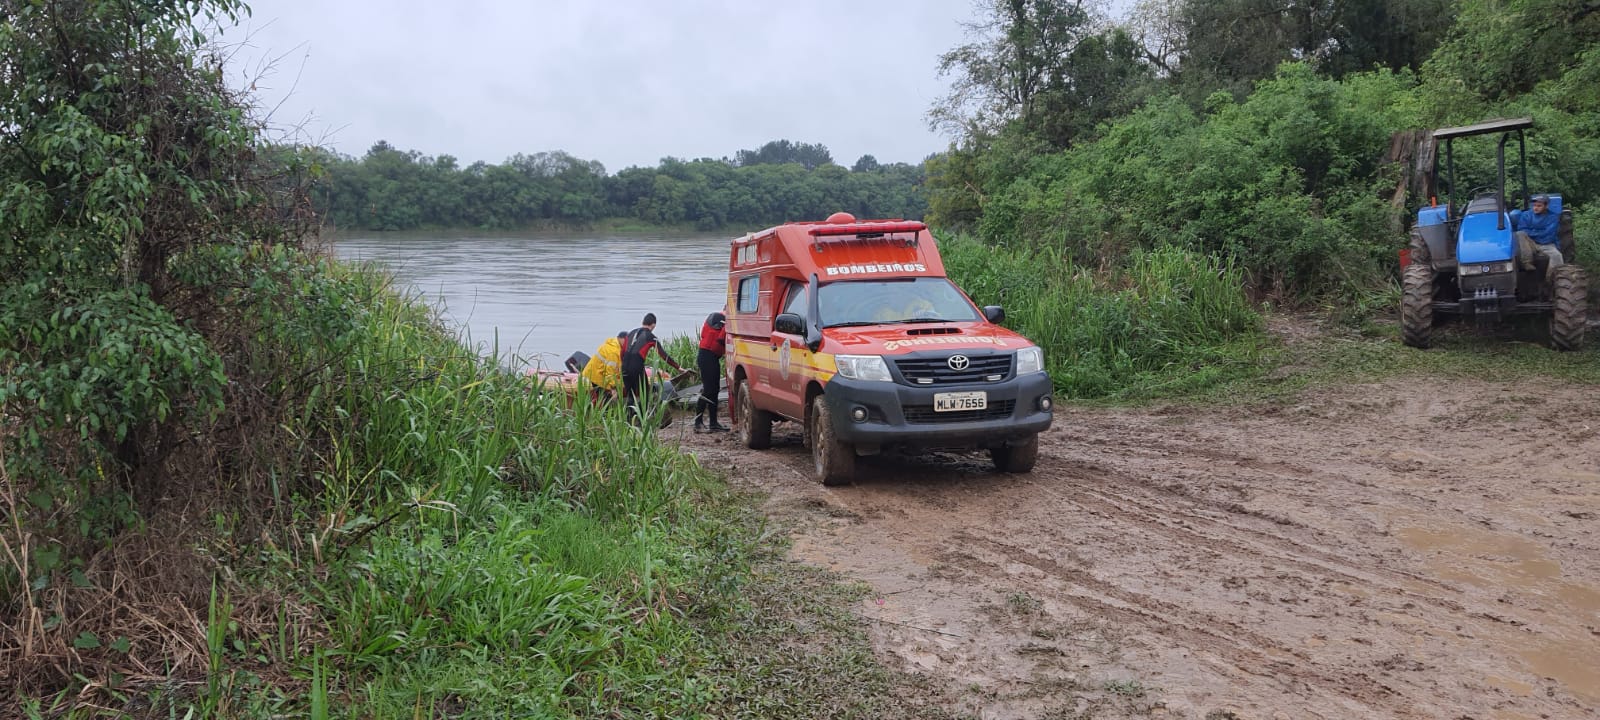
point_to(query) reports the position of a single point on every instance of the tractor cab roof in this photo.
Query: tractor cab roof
(1484, 128)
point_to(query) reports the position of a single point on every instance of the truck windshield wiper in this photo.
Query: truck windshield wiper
(913, 321)
(853, 323)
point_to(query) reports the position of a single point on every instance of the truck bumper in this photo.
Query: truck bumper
(902, 416)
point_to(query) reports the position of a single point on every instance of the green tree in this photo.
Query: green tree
(1229, 44)
(1501, 48)
(153, 300)
(778, 152)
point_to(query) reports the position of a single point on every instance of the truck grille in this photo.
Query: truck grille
(925, 414)
(924, 371)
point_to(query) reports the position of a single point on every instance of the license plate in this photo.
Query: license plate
(950, 402)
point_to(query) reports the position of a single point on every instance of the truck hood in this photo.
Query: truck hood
(899, 339)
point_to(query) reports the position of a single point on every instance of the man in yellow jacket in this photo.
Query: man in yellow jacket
(604, 370)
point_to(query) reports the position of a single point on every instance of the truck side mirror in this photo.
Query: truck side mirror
(789, 324)
(994, 313)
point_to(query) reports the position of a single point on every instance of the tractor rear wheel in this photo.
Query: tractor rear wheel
(1571, 314)
(1416, 305)
(1419, 252)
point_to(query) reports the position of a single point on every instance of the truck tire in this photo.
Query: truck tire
(1571, 314)
(755, 426)
(834, 461)
(1016, 458)
(1420, 254)
(1416, 306)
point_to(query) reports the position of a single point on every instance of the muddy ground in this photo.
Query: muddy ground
(1410, 549)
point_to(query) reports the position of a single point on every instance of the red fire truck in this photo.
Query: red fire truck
(851, 329)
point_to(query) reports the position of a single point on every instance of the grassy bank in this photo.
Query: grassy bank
(1169, 322)
(458, 542)
(1311, 352)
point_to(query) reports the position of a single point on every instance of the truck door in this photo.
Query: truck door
(791, 359)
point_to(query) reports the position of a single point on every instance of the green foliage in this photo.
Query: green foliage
(1283, 185)
(1046, 68)
(127, 158)
(392, 190)
(485, 546)
(779, 152)
(1171, 322)
(1231, 44)
(1498, 50)
(1275, 167)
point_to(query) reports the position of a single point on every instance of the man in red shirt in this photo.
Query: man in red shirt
(713, 344)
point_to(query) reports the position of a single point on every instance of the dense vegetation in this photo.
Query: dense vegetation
(238, 480)
(387, 189)
(1253, 136)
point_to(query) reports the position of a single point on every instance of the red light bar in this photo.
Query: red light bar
(867, 229)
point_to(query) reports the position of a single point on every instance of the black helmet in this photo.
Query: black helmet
(716, 320)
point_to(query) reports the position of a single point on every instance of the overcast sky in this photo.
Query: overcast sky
(625, 82)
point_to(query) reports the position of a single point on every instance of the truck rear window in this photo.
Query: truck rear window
(749, 294)
(872, 302)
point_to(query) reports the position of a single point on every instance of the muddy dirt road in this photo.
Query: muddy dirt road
(1416, 549)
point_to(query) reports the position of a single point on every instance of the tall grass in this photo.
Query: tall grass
(484, 546)
(1168, 322)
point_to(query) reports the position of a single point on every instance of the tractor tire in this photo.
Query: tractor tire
(1571, 314)
(1564, 238)
(754, 426)
(1016, 458)
(1416, 306)
(834, 461)
(1420, 254)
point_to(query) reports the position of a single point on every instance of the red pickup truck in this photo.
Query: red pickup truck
(852, 329)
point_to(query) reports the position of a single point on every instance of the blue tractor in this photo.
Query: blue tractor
(1463, 258)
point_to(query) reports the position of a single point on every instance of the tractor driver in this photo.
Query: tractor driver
(1536, 233)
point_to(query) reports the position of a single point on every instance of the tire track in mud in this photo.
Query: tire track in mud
(1234, 562)
(1238, 648)
(1289, 552)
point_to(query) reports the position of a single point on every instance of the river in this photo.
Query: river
(544, 295)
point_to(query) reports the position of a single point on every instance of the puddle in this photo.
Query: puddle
(1575, 665)
(1583, 599)
(1563, 647)
(1480, 557)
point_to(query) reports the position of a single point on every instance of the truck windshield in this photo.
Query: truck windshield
(879, 302)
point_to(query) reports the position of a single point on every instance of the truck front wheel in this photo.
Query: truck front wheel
(835, 462)
(1016, 458)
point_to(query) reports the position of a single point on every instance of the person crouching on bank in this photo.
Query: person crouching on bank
(605, 369)
(713, 345)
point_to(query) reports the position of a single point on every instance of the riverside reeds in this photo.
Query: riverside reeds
(440, 537)
(1169, 321)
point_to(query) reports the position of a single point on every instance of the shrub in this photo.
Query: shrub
(1169, 321)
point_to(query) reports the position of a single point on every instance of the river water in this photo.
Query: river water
(544, 295)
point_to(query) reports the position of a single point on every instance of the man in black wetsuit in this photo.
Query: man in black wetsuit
(635, 347)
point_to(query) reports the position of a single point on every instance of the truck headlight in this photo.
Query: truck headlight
(1030, 360)
(863, 367)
